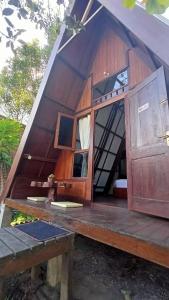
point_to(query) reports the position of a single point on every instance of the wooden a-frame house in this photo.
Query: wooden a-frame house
(102, 105)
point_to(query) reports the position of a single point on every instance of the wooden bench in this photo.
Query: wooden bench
(20, 251)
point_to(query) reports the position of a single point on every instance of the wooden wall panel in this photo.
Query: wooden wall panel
(21, 188)
(138, 69)
(63, 168)
(76, 191)
(85, 100)
(63, 172)
(111, 55)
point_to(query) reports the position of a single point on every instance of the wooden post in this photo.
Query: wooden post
(66, 277)
(54, 271)
(5, 215)
(2, 292)
(35, 272)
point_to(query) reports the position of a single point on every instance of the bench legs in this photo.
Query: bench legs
(66, 277)
(54, 271)
(59, 273)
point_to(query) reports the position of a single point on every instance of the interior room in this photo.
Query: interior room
(110, 174)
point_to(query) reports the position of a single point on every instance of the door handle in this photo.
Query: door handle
(165, 136)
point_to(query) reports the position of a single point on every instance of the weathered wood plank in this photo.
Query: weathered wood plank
(110, 225)
(30, 259)
(12, 242)
(25, 238)
(5, 251)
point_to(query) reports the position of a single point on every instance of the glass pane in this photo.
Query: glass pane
(83, 132)
(97, 174)
(110, 84)
(103, 114)
(103, 179)
(109, 162)
(80, 167)
(121, 127)
(98, 135)
(65, 131)
(102, 159)
(116, 121)
(110, 137)
(115, 144)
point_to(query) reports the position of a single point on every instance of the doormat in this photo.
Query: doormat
(41, 230)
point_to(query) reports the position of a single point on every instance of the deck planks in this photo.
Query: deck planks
(30, 242)
(136, 233)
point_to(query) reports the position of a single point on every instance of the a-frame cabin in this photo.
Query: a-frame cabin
(102, 105)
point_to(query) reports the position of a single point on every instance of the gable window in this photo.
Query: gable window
(110, 87)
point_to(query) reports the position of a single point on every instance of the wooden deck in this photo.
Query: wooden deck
(135, 233)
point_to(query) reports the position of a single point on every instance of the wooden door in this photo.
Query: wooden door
(147, 123)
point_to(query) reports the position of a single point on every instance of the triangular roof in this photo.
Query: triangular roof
(67, 71)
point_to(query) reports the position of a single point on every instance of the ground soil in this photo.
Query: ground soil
(101, 273)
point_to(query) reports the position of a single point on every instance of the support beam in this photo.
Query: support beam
(87, 10)
(72, 68)
(38, 158)
(85, 23)
(58, 102)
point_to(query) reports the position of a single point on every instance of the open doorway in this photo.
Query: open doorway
(110, 171)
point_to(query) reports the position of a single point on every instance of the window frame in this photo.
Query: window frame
(57, 130)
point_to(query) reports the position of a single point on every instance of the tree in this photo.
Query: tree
(152, 6)
(39, 12)
(10, 134)
(19, 81)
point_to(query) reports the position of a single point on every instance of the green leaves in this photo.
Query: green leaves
(157, 6)
(129, 3)
(10, 134)
(152, 6)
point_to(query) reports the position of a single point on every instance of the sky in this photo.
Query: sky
(30, 33)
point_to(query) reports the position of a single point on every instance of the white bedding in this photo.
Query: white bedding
(120, 183)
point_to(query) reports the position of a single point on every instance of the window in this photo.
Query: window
(111, 86)
(80, 166)
(64, 131)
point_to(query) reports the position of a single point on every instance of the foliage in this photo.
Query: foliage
(19, 81)
(10, 133)
(152, 6)
(51, 35)
(39, 12)
(21, 218)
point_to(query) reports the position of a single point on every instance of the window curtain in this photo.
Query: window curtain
(84, 134)
(84, 131)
